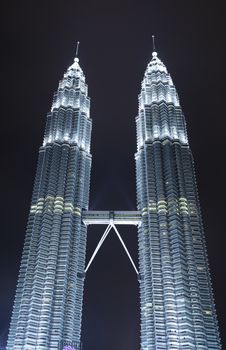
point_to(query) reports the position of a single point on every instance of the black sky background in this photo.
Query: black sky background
(37, 46)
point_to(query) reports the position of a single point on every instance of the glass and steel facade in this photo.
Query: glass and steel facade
(177, 307)
(48, 303)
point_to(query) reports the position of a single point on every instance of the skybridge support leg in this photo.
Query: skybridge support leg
(125, 248)
(106, 232)
(98, 246)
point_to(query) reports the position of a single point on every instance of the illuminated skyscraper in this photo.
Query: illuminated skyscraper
(177, 307)
(48, 304)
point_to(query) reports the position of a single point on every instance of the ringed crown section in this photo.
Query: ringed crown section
(177, 307)
(160, 114)
(48, 303)
(69, 119)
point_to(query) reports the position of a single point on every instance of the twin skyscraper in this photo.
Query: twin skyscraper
(176, 301)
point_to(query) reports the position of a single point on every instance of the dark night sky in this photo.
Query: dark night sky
(38, 45)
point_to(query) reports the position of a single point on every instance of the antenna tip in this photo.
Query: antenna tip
(77, 46)
(153, 43)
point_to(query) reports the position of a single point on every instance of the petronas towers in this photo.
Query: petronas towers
(176, 300)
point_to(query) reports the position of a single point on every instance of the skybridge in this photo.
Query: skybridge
(96, 217)
(111, 219)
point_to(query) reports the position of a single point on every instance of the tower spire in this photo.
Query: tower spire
(154, 53)
(77, 47)
(153, 43)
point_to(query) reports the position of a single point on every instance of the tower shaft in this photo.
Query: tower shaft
(177, 308)
(48, 303)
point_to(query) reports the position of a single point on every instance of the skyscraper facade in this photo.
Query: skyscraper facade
(177, 307)
(48, 303)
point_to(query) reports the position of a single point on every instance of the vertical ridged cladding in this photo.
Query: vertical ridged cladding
(177, 307)
(48, 301)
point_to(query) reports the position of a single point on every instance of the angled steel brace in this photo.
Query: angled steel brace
(106, 232)
(98, 246)
(126, 250)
